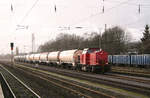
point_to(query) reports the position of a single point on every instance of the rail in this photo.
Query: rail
(18, 87)
(7, 91)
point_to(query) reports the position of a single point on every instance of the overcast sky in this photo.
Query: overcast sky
(39, 17)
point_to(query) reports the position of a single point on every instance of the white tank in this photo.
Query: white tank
(53, 56)
(70, 56)
(43, 57)
(27, 58)
(21, 57)
(37, 57)
(24, 57)
(31, 57)
(16, 58)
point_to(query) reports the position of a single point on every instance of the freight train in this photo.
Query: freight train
(142, 60)
(89, 59)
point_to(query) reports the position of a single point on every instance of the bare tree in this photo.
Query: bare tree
(62, 42)
(114, 40)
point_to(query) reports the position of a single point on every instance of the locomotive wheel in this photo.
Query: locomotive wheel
(107, 68)
(93, 69)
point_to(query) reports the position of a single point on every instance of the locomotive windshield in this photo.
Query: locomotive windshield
(90, 50)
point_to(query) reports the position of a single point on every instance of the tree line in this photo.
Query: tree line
(114, 40)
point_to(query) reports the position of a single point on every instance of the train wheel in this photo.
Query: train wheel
(79, 67)
(84, 68)
(107, 68)
(93, 69)
(103, 70)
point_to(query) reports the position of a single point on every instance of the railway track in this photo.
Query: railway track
(131, 71)
(95, 78)
(69, 85)
(107, 81)
(43, 87)
(7, 91)
(17, 87)
(73, 87)
(130, 78)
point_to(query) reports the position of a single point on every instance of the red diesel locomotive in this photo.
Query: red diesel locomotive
(95, 60)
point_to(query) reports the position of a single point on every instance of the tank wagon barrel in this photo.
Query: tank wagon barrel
(70, 57)
(31, 58)
(37, 57)
(43, 58)
(53, 56)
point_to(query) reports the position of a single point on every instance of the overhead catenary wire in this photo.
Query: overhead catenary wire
(99, 13)
(134, 22)
(139, 9)
(140, 5)
(130, 3)
(19, 26)
(28, 12)
(55, 8)
(11, 8)
(86, 18)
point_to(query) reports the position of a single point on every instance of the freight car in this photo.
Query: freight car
(142, 60)
(70, 58)
(90, 59)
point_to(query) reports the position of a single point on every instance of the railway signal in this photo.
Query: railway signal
(12, 56)
(12, 46)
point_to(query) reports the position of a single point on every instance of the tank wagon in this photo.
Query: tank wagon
(31, 58)
(70, 57)
(36, 58)
(142, 60)
(43, 57)
(90, 59)
(27, 58)
(53, 58)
